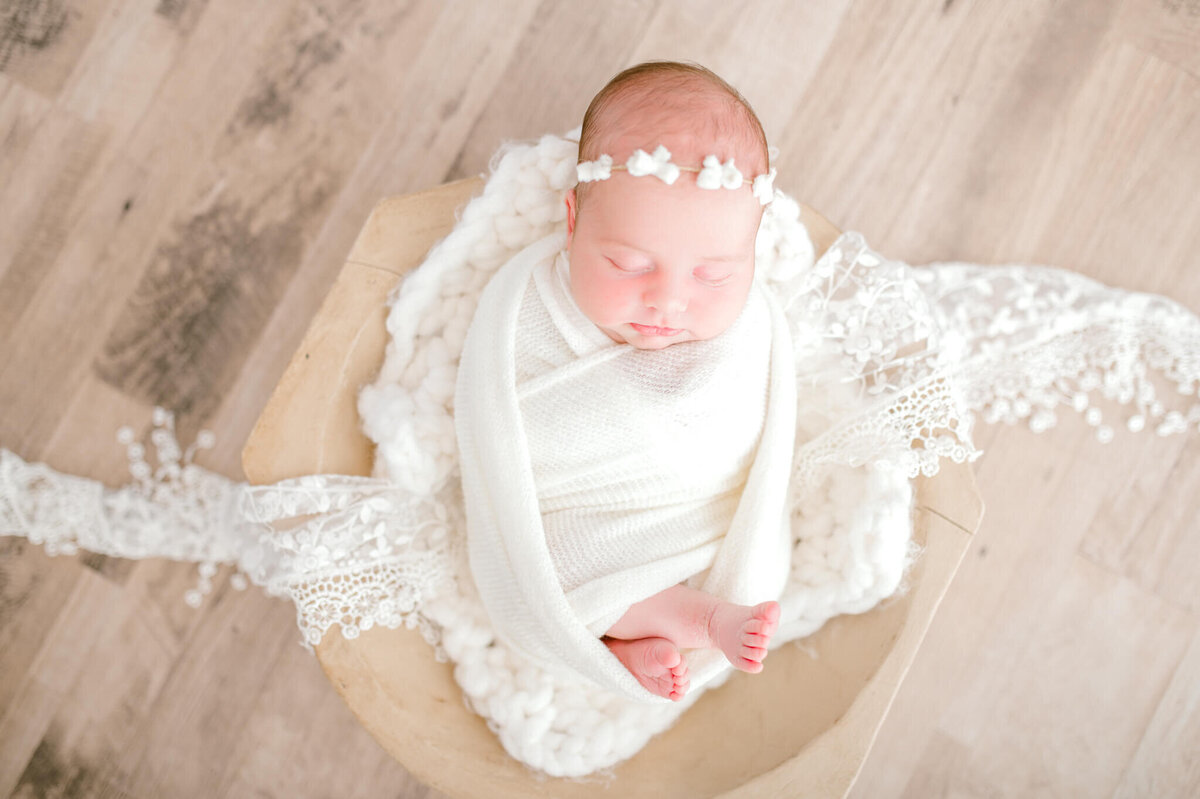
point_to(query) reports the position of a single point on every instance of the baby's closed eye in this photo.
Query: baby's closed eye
(712, 275)
(629, 266)
(715, 276)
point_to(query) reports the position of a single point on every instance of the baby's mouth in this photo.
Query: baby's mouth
(648, 330)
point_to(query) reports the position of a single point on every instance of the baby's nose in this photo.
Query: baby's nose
(666, 294)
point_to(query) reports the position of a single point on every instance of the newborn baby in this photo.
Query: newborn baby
(648, 322)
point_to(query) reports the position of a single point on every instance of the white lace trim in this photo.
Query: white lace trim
(1026, 339)
(350, 551)
(178, 510)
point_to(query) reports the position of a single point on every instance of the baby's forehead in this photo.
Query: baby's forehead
(643, 214)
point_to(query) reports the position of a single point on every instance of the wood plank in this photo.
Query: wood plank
(121, 70)
(566, 68)
(756, 47)
(35, 588)
(105, 195)
(1077, 701)
(184, 745)
(1031, 544)
(297, 718)
(67, 283)
(23, 727)
(862, 137)
(100, 713)
(41, 197)
(56, 772)
(1168, 547)
(1145, 529)
(40, 687)
(1157, 768)
(21, 113)
(1115, 168)
(1006, 550)
(1168, 29)
(941, 772)
(232, 253)
(41, 42)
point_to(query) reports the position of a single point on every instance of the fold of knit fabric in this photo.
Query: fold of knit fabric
(646, 468)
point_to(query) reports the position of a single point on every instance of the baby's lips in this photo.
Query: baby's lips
(656, 330)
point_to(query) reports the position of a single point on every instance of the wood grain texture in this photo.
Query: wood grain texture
(180, 183)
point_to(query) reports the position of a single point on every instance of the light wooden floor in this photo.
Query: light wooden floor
(179, 181)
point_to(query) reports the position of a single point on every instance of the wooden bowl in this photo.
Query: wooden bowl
(803, 727)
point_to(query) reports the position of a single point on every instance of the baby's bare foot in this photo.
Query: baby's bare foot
(656, 663)
(742, 632)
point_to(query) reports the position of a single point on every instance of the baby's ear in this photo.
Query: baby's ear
(570, 201)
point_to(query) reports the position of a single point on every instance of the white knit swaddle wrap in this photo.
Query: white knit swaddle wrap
(639, 457)
(596, 475)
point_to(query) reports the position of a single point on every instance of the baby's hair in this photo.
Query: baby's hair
(656, 87)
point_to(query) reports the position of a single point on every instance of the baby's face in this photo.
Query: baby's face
(654, 265)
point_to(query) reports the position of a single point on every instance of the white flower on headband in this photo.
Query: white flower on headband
(714, 175)
(764, 187)
(600, 169)
(642, 163)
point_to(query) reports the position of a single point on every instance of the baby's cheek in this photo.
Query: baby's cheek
(604, 299)
(722, 311)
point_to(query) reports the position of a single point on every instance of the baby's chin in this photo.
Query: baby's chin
(657, 343)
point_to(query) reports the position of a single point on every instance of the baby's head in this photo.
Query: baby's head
(654, 264)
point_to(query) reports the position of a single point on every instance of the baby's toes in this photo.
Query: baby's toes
(767, 614)
(665, 684)
(680, 688)
(760, 627)
(662, 657)
(748, 665)
(755, 654)
(755, 638)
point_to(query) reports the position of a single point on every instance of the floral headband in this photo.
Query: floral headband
(713, 175)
